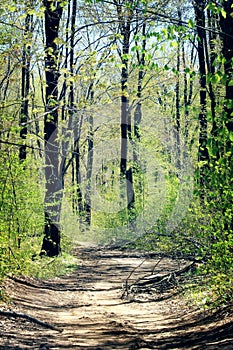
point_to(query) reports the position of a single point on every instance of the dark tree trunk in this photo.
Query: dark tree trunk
(211, 69)
(130, 190)
(227, 50)
(26, 58)
(53, 195)
(78, 180)
(141, 64)
(125, 26)
(137, 120)
(177, 91)
(125, 18)
(188, 91)
(124, 118)
(199, 7)
(90, 143)
(78, 198)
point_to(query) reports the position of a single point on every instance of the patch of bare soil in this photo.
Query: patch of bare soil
(90, 309)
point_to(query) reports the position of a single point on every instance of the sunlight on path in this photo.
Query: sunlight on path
(88, 306)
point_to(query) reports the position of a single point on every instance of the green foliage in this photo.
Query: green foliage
(209, 223)
(46, 267)
(21, 212)
(206, 231)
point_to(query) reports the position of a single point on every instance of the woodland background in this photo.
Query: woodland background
(116, 123)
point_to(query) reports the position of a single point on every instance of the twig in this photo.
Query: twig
(157, 264)
(127, 279)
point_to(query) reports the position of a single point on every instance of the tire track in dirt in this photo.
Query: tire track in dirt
(87, 306)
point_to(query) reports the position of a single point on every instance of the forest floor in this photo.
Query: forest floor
(88, 309)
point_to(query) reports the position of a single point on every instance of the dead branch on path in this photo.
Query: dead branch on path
(159, 282)
(29, 318)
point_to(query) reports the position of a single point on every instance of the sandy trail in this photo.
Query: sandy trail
(87, 306)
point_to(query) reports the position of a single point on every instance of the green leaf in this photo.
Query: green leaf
(231, 136)
(223, 13)
(191, 23)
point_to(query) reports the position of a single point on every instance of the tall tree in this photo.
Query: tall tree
(199, 9)
(125, 16)
(226, 22)
(53, 195)
(25, 84)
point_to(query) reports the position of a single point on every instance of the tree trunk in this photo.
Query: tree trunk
(25, 84)
(199, 7)
(87, 206)
(124, 115)
(188, 92)
(211, 69)
(77, 124)
(177, 91)
(227, 50)
(125, 18)
(53, 195)
(138, 117)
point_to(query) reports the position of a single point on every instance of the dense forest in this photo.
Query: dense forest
(116, 124)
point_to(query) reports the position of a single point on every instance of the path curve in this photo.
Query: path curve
(88, 307)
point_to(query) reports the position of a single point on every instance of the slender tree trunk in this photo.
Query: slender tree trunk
(138, 111)
(199, 7)
(78, 182)
(177, 114)
(90, 143)
(25, 85)
(90, 155)
(53, 195)
(227, 50)
(124, 108)
(125, 18)
(188, 92)
(211, 69)
(141, 64)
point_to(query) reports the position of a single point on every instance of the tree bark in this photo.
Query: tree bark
(211, 55)
(177, 92)
(227, 50)
(125, 18)
(25, 84)
(53, 195)
(199, 7)
(90, 144)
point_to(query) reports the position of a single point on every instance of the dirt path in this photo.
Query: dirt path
(88, 308)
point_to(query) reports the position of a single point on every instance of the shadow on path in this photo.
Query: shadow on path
(88, 309)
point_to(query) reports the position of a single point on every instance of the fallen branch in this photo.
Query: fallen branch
(159, 281)
(127, 279)
(160, 277)
(29, 318)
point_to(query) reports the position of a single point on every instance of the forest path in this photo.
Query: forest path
(88, 307)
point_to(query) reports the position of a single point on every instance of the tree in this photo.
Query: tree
(53, 195)
(125, 14)
(199, 9)
(26, 58)
(226, 22)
